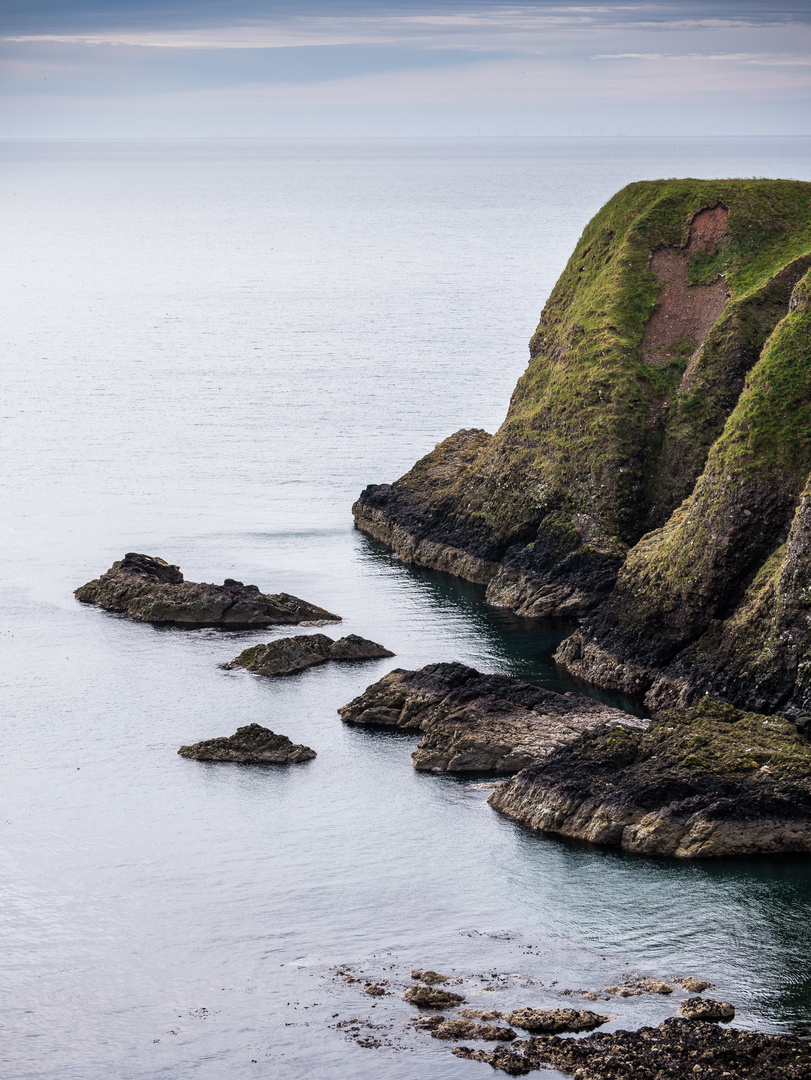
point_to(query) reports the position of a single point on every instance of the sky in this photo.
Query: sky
(259, 68)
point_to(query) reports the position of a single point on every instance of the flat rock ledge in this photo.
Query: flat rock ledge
(676, 1048)
(250, 745)
(705, 781)
(475, 723)
(286, 656)
(148, 589)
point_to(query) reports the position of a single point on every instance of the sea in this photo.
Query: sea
(208, 349)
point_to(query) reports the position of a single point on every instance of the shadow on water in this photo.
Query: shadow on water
(524, 646)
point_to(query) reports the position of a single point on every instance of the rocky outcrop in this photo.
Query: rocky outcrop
(431, 997)
(676, 1048)
(554, 1021)
(463, 1028)
(713, 1012)
(146, 588)
(700, 782)
(653, 469)
(474, 723)
(286, 656)
(250, 745)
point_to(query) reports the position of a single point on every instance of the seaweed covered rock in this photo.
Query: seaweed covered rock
(553, 1021)
(676, 1048)
(475, 723)
(286, 656)
(697, 1008)
(431, 997)
(250, 745)
(462, 1028)
(705, 781)
(146, 588)
(653, 467)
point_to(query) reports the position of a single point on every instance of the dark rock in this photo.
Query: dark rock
(700, 782)
(430, 997)
(430, 977)
(250, 745)
(474, 723)
(466, 1029)
(691, 985)
(150, 590)
(286, 656)
(677, 1048)
(697, 1008)
(552, 1021)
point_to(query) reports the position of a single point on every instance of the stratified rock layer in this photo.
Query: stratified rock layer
(474, 723)
(286, 656)
(676, 1048)
(146, 588)
(699, 782)
(250, 745)
(654, 466)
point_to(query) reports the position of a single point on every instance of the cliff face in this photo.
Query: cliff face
(652, 467)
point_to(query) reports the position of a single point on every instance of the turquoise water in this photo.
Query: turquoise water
(208, 350)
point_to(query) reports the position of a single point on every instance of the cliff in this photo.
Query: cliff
(651, 471)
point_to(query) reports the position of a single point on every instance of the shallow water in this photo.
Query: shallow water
(208, 349)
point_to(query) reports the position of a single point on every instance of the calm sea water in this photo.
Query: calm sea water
(208, 349)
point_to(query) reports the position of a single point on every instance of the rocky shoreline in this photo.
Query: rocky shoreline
(148, 589)
(701, 782)
(475, 723)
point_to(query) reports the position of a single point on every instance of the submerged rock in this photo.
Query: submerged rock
(147, 589)
(430, 977)
(250, 745)
(286, 656)
(552, 1021)
(700, 782)
(692, 985)
(474, 723)
(676, 1048)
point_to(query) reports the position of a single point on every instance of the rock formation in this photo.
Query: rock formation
(250, 745)
(676, 1048)
(653, 469)
(554, 1021)
(704, 781)
(286, 656)
(474, 723)
(146, 588)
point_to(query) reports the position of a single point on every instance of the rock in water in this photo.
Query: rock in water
(474, 723)
(697, 1008)
(146, 588)
(654, 469)
(699, 782)
(553, 1021)
(676, 1048)
(431, 997)
(250, 745)
(285, 656)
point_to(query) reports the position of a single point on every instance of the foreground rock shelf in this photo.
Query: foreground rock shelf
(286, 656)
(706, 781)
(148, 589)
(250, 745)
(475, 723)
(676, 1048)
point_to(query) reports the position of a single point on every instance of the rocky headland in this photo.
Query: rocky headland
(704, 781)
(148, 589)
(652, 473)
(250, 745)
(286, 656)
(475, 723)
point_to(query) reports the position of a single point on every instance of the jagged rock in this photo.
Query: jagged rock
(676, 1048)
(147, 589)
(428, 976)
(481, 1014)
(552, 1021)
(691, 985)
(250, 745)
(653, 470)
(466, 1029)
(706, 781)
(430, 997)
(286, 656)
(477, 723)
(696, 1008)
